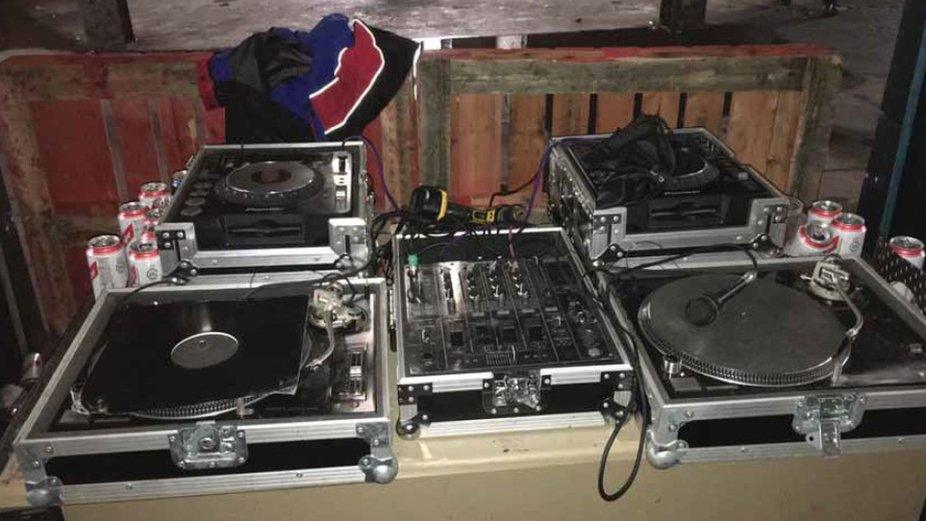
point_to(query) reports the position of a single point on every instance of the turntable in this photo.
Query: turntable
(785, 357)
(707, 197)
(254, 206)
(219, 385)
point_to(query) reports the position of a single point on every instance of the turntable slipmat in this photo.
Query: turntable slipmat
(136, 372)
(766, 335)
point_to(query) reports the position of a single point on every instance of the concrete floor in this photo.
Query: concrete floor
(863, 33)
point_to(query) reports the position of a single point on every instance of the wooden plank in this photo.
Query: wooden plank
(26, 182)
(157, 144)
(102, 78)
(570, 114)
(784, 135)
(545, 74)
(821, 83)
(214, 126)
(75, 157)
(475, 145)
(599, 54)
(399, 138)
(705, 109)
(433, 122)
(749, 133)
(186, 127)
(74, 229)
(139, 156)
(115, 149)
(528, 137)
(614, 110)
(664, 104)
(170, 140)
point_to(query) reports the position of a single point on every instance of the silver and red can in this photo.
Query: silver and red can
(909, 248)
(131, 218)
(850, 233)
(823, 211)
(161, 203)
(106, 262)
(148, 234)
(811, 239)
(144, 264)
(150, 192)
(176, 179)
(154, 215)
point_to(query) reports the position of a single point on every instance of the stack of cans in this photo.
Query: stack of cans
(828, 229)
(130, 258)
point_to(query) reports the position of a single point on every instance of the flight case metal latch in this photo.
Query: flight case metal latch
(823, 419)
(516, 393)
(208, 446)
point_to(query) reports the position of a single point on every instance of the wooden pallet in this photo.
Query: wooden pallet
(486, 115)
(79, 133)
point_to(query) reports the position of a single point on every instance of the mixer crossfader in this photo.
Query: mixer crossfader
(524, 311)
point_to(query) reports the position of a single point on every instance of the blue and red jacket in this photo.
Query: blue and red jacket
(323, 84)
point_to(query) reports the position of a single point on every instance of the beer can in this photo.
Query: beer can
(811, 239)
(148, 234)
(909, 249)
(131, 218)
(144, 264)
(176, 179)
(850, 233)
(162, 203)
(106, 262)
(152, 191)
(823, 211)
(153, 216)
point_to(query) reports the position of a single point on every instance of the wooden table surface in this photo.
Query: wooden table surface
(551, 475)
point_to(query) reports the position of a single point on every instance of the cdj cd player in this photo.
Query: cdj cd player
(251, 206)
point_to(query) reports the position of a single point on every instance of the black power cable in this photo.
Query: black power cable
(639, 398)
(641, 402)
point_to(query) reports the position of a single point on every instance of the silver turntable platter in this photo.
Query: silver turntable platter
(204, 350)
(766, 335)
(272, 177)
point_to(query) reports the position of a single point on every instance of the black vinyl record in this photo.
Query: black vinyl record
(145, 360)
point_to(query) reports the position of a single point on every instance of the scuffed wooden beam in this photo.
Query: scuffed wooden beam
(208, 24)
(106, 23)
(811, 149)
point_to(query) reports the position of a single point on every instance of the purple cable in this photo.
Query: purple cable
(379, 168)
(537, 179)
